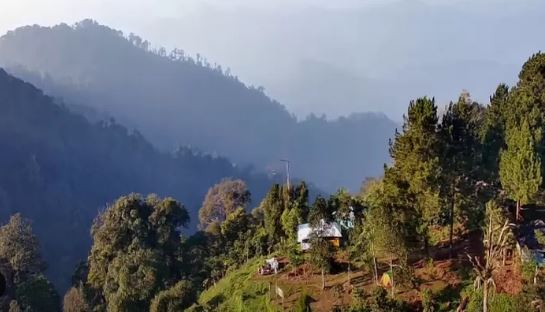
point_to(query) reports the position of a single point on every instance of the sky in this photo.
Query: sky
(329, 57)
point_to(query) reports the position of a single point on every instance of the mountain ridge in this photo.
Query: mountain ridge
(174, 99)
(60, 170)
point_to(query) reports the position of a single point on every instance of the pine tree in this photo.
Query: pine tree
(527, 102)
(520, 166)
(272, 207)
(461, 157)
(493, 133)
(416, 164)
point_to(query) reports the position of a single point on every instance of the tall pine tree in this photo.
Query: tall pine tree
(520, 166)
(493, 133)
(416, 163)
(460, 157)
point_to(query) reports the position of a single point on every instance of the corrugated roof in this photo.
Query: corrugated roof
(326, 229)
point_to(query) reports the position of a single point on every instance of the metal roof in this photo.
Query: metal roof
(325, 229)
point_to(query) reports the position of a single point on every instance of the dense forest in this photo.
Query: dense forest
(176, 99)
(59, 170)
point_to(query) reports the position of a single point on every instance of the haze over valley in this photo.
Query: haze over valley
(272, 155)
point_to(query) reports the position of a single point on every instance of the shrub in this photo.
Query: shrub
(428, 304)
(303, 303)
(528, 270)
(380, 302)
(37, 293)
(74, 301)
(176, 298)
(14, 306)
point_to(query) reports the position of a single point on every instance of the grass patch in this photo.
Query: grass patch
(239, 292)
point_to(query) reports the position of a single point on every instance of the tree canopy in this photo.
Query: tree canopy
(136, 249)
(223, 199)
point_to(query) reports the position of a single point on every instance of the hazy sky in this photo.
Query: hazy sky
(333, 57)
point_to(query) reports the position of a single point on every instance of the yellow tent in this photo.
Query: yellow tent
(386, 279)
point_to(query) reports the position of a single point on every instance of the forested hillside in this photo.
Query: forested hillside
(175, 99)
(60, 170)
(456, 222)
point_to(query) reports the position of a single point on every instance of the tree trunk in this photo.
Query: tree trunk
(485, 296)
(518, 211)
(349, 278)
(392, 271)
(451, 225)
(323, 279)
(375, 270)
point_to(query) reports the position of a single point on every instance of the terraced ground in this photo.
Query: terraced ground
(244, 289)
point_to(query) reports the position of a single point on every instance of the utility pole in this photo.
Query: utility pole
(287, 162)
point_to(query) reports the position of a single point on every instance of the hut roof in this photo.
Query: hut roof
(325, 229)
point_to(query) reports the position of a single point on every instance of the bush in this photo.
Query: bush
(404, 275)
(37, 293)
(428, 304)
(503, 303)
(497, 302)
(380, 302)
(177, 298)
(14, 306)
(74, 301)
(528, 270)
(303, 303)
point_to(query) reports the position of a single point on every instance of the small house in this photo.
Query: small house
(329, 230)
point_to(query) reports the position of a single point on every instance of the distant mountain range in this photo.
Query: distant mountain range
(176, 100)
(60, 171)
